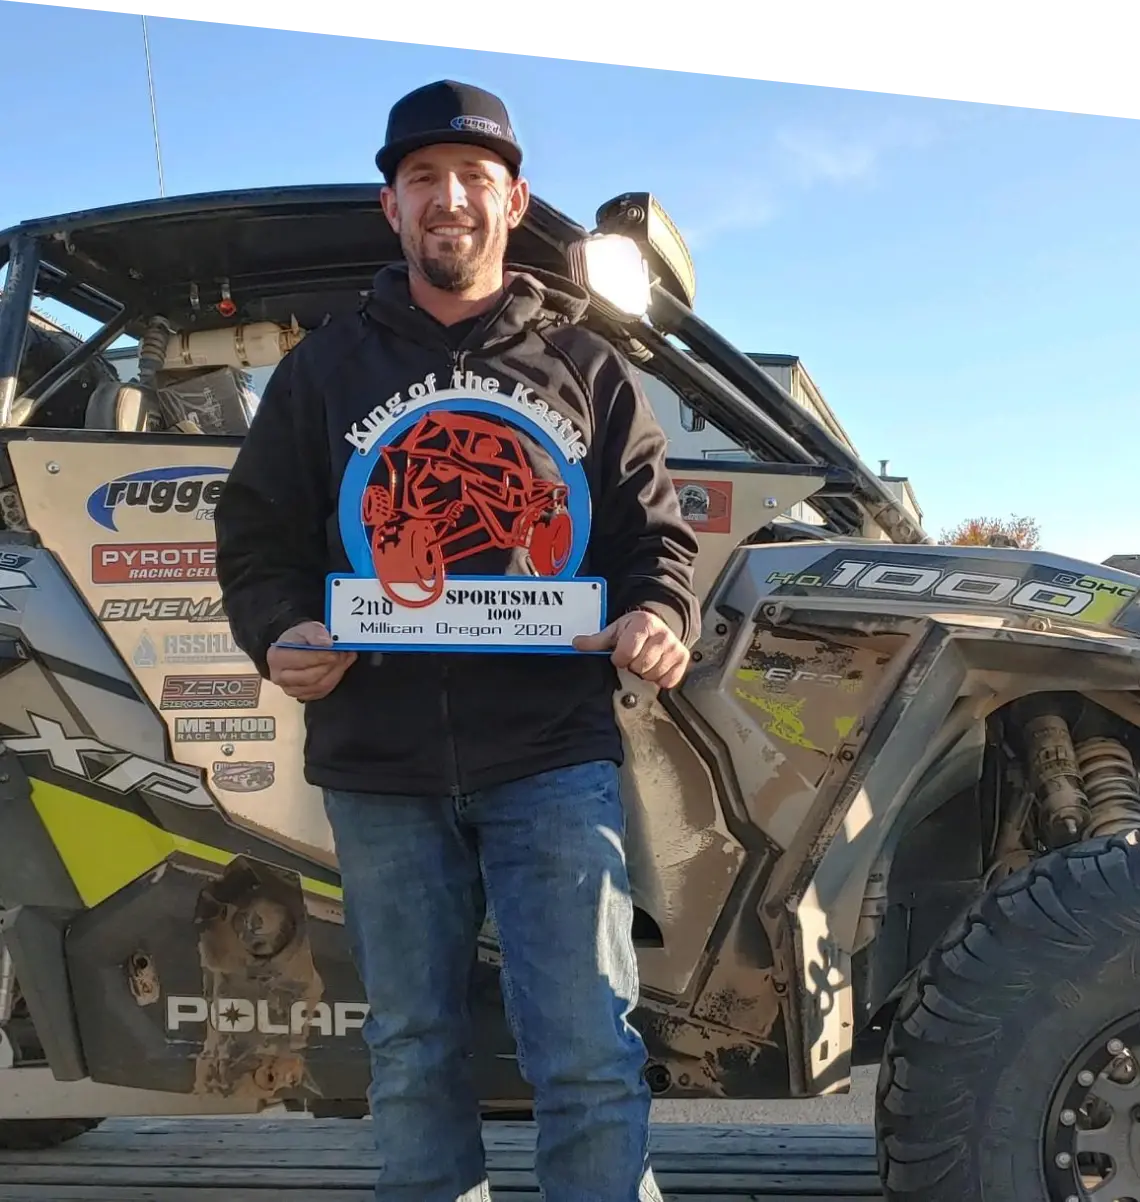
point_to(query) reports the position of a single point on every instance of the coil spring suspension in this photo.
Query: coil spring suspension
(152, 350)
(1111, 786)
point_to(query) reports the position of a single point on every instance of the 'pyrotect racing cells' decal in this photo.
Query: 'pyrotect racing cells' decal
(173, 563)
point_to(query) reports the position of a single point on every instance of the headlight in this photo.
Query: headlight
(639, 215)
(612, 269)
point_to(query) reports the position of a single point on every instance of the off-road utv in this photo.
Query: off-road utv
(888, 816)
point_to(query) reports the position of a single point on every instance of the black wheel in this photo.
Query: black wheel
(30, 1135)
(1008, 1074)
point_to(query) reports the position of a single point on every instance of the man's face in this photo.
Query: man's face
(452, 206)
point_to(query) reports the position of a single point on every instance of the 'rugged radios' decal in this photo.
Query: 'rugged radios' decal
(191, 491)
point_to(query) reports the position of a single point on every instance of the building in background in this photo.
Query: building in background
(708, 443)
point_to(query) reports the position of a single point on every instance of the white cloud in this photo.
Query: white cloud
(810, 156)
(795, 159)
(742, 212)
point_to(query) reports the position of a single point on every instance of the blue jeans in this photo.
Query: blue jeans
(546, 854)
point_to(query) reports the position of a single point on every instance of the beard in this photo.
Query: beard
(455, 268)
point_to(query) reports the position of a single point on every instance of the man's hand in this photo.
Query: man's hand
(644, 645)
(308, 675)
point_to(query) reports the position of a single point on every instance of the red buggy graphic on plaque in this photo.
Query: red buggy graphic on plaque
(457, 485)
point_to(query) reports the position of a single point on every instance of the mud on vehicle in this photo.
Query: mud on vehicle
(889, 816)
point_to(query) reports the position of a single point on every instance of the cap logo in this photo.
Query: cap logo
(477, 125)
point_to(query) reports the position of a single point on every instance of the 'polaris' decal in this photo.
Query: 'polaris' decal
(239, 1015)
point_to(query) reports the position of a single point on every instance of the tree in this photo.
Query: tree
(989, 532)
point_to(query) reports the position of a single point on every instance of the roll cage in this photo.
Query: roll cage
(219, 260)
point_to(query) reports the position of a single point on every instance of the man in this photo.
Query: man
(450, 778)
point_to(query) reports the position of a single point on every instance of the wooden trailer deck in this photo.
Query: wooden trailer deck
(309, 1160)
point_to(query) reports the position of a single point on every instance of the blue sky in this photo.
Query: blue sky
(962, 281)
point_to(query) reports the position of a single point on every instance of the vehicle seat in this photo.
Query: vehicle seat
(116, 406)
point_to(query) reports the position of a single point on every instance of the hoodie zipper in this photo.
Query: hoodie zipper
(457, 360)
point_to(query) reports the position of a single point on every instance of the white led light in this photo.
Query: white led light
(613, 269)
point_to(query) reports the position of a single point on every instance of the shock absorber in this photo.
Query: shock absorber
(1111, 787)
(1056, 779)
(152, 350)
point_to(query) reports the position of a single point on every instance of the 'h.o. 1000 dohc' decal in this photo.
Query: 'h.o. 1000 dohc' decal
(1065, 594)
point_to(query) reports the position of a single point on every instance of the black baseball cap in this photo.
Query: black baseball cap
(448, 112)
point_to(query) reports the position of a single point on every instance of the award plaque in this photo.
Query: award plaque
(446, 479)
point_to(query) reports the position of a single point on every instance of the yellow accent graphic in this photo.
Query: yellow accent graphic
(104, 848)
(843, 726)
(786, 723)
(1109, 598)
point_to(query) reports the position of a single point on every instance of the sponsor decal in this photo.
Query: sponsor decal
(12, 576)
(124, 563)
(949, 580)
(109, 767)
(225, 729)
(189, 491)
(211, 692)
(706, 504)
(239, 1016)
(779, 678)
(477, 125)
(162, 609)
(243, 776)
(213, 647)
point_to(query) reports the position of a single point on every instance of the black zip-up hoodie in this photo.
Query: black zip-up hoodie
(429, 723)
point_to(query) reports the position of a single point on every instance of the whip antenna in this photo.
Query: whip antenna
(153, 111)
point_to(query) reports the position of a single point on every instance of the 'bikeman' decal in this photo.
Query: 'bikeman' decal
(191, 491)
(162, 609)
